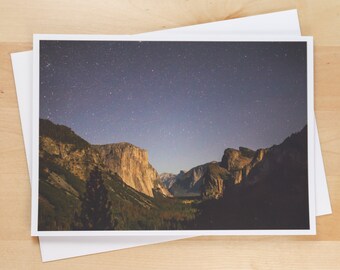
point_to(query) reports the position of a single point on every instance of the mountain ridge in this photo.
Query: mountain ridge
(273, 194)
(241, 180)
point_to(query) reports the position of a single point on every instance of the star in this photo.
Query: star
(175, 98)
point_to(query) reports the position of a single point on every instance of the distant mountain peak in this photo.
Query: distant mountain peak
(167, 179)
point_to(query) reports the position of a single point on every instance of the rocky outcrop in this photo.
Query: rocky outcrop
(131, 163)
(258, 157)
(234, 160)
(209, 180)
(189, 183)
(215, 181)
(79, 161)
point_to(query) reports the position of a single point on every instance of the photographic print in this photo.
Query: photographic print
(172, 136)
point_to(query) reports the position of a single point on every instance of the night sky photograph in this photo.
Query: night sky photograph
(184, 102)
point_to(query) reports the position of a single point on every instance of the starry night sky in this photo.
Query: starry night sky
(185, 102)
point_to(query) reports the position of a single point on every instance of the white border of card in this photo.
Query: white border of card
(216, 38)
(53, 248)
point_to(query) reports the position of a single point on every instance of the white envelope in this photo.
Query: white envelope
(54, 248)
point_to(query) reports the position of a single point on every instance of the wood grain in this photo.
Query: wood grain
(20, 19)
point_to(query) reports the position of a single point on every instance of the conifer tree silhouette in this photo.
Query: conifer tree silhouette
(96, 209)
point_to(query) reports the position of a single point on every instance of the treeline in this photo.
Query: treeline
(104, 202)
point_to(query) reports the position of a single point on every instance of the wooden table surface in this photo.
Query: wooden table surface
(20, 19)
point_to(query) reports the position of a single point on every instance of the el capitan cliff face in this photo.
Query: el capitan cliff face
(131, 163)
(79, 157)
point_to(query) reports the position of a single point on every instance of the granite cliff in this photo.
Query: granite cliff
(131, 163)
(210, 180)
(79, 157)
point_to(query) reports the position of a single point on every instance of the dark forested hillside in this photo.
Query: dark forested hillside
(274, 195)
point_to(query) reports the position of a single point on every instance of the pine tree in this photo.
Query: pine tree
(96, 209)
